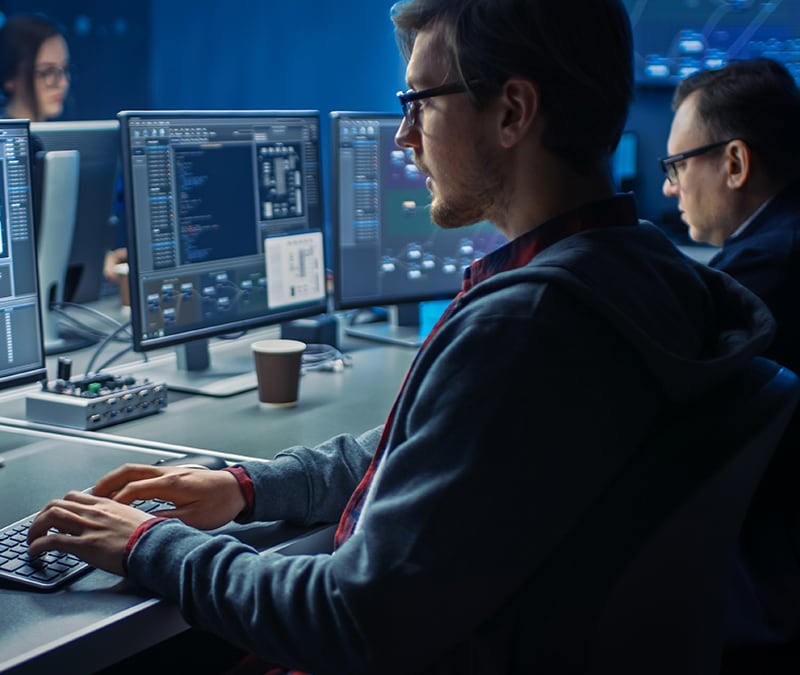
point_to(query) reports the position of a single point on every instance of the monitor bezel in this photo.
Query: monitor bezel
(233, 327)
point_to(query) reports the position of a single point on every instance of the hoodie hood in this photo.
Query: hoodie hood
(692, 325)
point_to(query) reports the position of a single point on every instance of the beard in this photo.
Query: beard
(473, 194)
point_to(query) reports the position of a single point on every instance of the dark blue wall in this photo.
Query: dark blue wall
(651, 117)
(231, 54)
(274, 54)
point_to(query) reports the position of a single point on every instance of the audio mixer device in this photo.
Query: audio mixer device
(94, 401)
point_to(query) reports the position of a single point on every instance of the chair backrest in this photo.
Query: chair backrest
(640, 586)
(764, 607)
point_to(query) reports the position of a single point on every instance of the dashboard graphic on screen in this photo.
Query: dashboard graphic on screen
(675, 38)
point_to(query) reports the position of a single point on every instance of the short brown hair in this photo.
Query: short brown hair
(578, 51)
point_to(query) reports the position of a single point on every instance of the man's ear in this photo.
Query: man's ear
(738, 160)
(520, 106)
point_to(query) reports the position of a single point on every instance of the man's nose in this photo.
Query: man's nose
(669, 189)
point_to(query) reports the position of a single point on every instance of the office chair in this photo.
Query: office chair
(763, 631)
(640, 587)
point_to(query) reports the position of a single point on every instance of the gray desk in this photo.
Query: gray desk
(101, 618)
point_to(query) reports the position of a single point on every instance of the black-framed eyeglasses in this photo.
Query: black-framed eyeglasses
(51, 75)
(409, 100)
(668, 163)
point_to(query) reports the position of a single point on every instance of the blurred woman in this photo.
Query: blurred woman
(34, 68)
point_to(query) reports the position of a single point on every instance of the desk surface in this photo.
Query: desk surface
(101, 618)
(353, 400)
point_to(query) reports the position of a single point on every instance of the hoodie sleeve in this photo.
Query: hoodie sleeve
(311, 485)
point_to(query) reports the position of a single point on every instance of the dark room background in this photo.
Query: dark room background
(269, 54)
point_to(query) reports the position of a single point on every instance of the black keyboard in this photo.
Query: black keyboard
(51, 569)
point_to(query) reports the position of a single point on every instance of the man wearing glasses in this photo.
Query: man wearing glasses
(734, 167)
(548, 374)
(734, 144)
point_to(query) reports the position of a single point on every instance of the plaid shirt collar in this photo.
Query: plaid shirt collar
(619, 210)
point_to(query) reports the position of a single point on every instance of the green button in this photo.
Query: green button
(94, 387)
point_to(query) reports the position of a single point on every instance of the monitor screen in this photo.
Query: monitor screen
(224, 221)
(675, 38)
(386, 249)
(22, 358)
(97, 142)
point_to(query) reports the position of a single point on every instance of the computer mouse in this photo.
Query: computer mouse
(194, 461)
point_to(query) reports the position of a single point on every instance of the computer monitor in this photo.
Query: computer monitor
(55, 201)
(224, 221)
(22, 358)
(97, 141)
(386, 250)
(675, 39)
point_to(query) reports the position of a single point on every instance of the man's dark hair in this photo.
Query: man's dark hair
(757, 101)
(20, 39)
(578, 51)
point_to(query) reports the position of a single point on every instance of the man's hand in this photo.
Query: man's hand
(93, 528)
(111, 260)
(203, 498)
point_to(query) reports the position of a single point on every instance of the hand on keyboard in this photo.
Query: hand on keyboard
(203, 499)
(50, 569)
(96, 529)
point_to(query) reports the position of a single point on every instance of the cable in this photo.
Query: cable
(108, 339)
(113, 358)
(83, 329)
(91, 310)
(324, 357)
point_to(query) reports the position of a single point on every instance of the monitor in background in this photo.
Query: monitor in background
(675, 39)
(55, 200)
(224, 220)
(22, 357)
(625, 162)
(386, 250)
(97, 141)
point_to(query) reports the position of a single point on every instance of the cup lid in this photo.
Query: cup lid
(278, 346)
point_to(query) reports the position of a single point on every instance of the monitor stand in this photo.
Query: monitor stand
(403, 328)
(232, 371)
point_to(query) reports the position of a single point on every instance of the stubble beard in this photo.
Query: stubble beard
(479, 195)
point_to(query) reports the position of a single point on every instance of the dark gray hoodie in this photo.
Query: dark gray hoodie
(529, 399)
